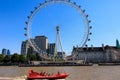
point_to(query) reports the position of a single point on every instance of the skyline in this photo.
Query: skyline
(103, 14)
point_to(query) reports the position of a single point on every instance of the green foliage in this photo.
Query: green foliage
(7, 59)
(1, 57)
(32, 57)
(38, 57)
(15, 58)
(22, 58)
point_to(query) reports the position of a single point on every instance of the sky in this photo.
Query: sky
(104, 16)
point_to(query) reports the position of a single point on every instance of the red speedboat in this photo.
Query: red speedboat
(43, 75)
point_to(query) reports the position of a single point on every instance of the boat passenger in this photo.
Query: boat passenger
(58, 73)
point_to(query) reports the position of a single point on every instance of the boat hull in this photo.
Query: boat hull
(48, 77)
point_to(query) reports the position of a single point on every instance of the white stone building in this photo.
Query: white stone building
(96, 54)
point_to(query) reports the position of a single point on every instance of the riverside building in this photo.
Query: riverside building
(51, 49)
(40, 41)
(96, 54)
(4, 51)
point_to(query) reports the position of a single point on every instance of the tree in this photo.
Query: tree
(15, 58)
(22, 58)
(7, 59)
(32, 57)
(1, 57)
(38, 57)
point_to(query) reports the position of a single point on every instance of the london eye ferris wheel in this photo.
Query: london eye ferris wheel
(86, 22)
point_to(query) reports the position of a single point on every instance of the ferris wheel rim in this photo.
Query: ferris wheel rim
(67, 2)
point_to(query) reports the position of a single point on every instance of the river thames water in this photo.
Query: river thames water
(76, 73)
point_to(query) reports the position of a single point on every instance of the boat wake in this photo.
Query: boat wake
(19, 78)
(14, 78)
